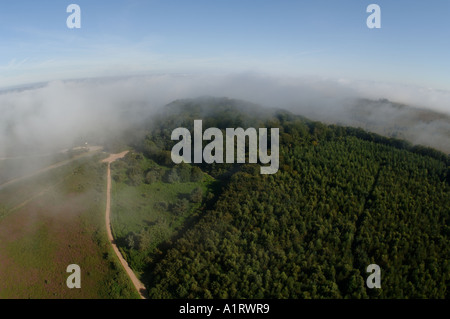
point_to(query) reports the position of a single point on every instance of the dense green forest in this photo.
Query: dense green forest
(342, 199)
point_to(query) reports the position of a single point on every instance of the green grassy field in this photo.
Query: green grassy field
(143, 218)
(51, 221)
(134, 207)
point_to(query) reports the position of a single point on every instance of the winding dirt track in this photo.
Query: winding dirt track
(136, 282)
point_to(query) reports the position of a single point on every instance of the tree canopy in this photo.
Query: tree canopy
(343, 199)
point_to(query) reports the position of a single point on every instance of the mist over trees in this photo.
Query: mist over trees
(54, 116)
(343, 199)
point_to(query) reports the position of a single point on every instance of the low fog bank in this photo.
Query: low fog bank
(419, 126)
(63, 114)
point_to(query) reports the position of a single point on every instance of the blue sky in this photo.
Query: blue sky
(324, 38)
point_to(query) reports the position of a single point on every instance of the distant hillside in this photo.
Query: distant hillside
(417, 125)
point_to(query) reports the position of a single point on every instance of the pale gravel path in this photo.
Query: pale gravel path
(136, 282)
